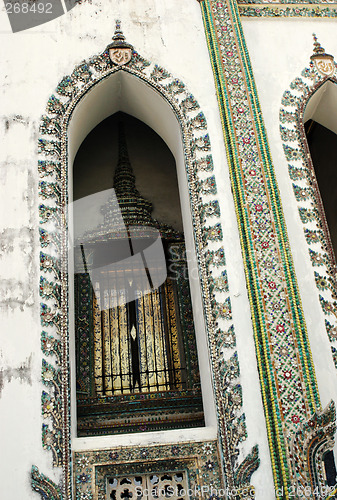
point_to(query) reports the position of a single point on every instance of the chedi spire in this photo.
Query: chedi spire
(126, 206)
(135, 209)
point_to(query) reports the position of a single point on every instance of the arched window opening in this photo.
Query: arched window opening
(136, 357)
(321, 131)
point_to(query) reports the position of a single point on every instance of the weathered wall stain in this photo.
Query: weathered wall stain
(11, 239)
(17, 249)
(30, 198)
(23, 373)
(18, 260)
(15, 293)
(8, 121)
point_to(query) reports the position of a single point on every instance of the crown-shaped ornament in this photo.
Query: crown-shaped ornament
(120, 51)
(324, 62)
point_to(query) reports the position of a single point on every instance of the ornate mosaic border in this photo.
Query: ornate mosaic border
(284, 8)
(288, 384)
(286, 2)
(211, 261)
(293, 10)
(306, 190)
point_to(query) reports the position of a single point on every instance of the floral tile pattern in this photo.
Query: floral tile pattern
(287, 8)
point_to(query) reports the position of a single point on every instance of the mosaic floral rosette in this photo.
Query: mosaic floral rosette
(306, 192)
(288, 384)
(53, 170)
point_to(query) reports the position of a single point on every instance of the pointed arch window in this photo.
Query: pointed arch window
(320, 126)
(136, 356)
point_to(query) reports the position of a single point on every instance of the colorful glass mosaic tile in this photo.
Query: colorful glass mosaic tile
(287, 8)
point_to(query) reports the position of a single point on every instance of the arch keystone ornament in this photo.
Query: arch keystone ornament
(215, 462)
(323, 62)
(119, 50)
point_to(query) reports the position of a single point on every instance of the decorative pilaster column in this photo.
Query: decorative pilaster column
(287, 376)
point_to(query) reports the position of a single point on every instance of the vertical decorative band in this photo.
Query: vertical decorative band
(288, 384)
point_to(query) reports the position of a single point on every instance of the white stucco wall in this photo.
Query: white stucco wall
(33, 62)
(279, 51)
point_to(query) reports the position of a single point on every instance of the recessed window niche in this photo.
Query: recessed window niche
(136, 357)
(321, 131)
